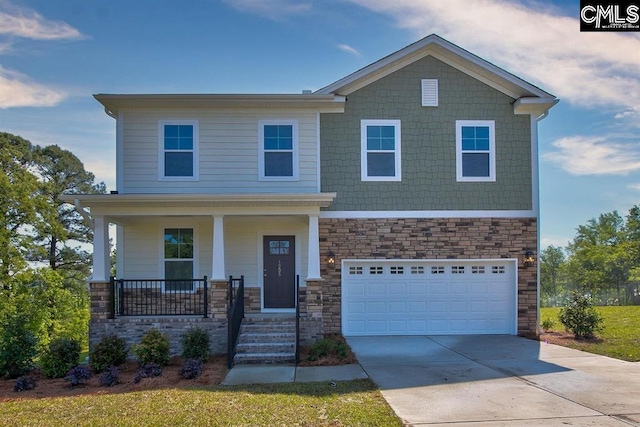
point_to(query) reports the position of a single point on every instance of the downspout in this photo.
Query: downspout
(110, 113)
(86, 216)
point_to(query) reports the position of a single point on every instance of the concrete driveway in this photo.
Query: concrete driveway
(499, 380)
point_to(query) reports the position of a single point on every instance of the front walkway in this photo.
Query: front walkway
(499, 380)
(262, 374)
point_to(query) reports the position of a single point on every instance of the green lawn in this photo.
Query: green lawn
(349, 403)
(620, 337)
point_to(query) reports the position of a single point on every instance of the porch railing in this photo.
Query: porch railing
(235, 314)
(297, 319)
(154, 297)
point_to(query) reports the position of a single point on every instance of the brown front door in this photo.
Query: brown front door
(279, 272)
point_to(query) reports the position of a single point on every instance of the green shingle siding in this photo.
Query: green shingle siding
(428, 145)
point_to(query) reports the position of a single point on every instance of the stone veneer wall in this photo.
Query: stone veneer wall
(133, 328)
(415, 239)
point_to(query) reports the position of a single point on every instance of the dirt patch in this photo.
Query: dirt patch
(564, 338)
(213, 372)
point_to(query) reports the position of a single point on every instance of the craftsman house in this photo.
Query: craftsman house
(400, 200)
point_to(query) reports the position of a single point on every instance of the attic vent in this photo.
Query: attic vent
(429, 92)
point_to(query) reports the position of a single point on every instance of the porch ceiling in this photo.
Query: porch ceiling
(201, 204)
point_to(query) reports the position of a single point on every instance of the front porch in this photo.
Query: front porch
(175, 253)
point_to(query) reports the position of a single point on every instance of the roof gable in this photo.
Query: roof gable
(531, 99)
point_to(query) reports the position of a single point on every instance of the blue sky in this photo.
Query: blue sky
(55, 54)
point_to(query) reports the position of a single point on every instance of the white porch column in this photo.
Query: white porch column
(101, 258)
(313, 263)
(218, 272)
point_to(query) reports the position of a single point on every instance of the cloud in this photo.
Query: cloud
(533, 40)
(349, 49)
(634, 186)
(581, 155)
(272, 9)
(20, 22)
(16, 90)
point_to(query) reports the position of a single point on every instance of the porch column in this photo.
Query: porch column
(101, 259)
(313, 263)
(218, 272)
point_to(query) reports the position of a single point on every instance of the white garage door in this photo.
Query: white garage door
(429, 297)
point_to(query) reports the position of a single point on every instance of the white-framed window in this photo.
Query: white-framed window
(380, 150)
(278, 150)
(178, 259)
(475, 150)
(178, 150)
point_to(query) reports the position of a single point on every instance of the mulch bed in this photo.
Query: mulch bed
(213, 372)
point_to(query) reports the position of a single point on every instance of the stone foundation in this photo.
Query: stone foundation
(416, 239)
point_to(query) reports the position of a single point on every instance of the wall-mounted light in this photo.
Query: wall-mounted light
(529, 258)
(331, 259)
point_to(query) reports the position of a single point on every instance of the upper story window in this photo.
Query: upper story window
(278, 157)
(380, 150)
(178, 159)
(475, 150)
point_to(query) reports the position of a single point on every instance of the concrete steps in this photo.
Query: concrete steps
(266, 341)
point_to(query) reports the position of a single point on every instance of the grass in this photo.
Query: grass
(349, 403)
(620, 337)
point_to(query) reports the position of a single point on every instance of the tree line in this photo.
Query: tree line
(44, 264)
(602, 261)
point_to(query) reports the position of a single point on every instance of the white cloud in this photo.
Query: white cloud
(351, 50)
(580, 155)
(26, 23)
(272, 9)
(532, 40)
(634, 186)
(17, 91)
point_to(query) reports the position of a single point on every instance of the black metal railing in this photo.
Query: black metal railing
(297, 319)
(235, 314)
(155, 297)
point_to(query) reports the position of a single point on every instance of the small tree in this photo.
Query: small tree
(18, 346)
(580, 317)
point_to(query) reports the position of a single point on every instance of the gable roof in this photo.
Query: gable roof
(530, 99)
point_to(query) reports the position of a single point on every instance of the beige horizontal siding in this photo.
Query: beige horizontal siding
(228, 152)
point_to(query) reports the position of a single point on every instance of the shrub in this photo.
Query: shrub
(328, 346)
(148, 370)
(548, 324)
(60, 357)
(110, 377)
(195, 344)
(109, 351)
(24, 384)
(153, 348)
(78, 376)
(191, 368)
(580, 317)
(18, 347)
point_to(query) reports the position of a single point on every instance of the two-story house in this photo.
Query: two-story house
(404, 197)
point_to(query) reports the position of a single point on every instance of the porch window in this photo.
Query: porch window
(178, 150)
(278, 151)
(178, 259)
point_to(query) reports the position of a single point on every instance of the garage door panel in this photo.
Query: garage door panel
(429, 297)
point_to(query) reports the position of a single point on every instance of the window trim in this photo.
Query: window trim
(364, 173)
(196, 251)
(262, 151)
(195, 150)
(492, 150)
